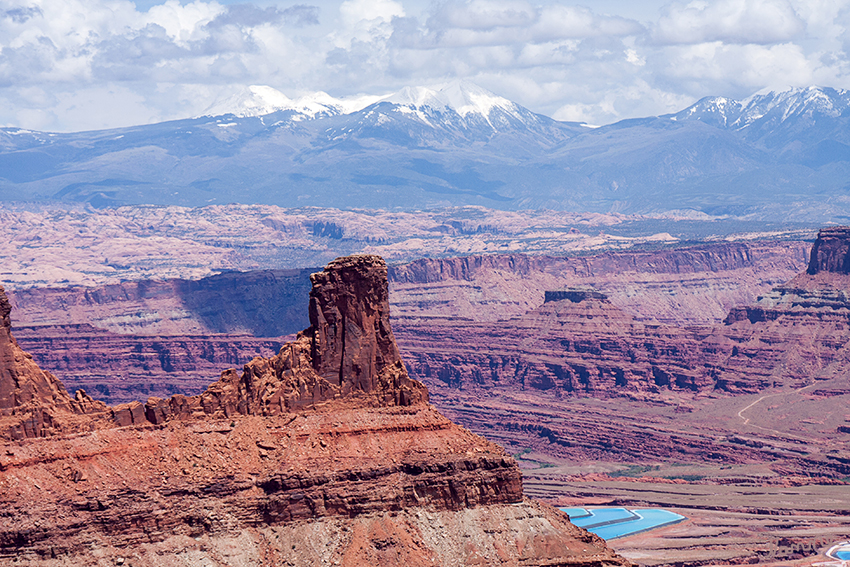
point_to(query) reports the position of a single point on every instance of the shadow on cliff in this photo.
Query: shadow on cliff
(267, 303)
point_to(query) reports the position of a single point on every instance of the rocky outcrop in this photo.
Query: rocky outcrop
(33, 403)
(326, 453)
(831, 251)
(352, 344)
(348, 353)
(799, 331)
(576, 295)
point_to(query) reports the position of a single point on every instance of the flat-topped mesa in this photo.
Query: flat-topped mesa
(574, 294)
(347, 356)
(821, 292)
(831, 251)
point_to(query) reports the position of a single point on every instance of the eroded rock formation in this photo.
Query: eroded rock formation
(579, 342)
(327, 453)
(33, 403)
(139, 366)
(176, 347)
(831, 251)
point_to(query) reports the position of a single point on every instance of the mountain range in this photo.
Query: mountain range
(770, 156)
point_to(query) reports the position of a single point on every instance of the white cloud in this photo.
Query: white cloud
(484, 15)
(355, 11)
(184, 23)
(717, 67)
(68, 64)
(732, 21)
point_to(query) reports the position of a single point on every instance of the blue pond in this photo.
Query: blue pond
(611, 523)
(840, 551)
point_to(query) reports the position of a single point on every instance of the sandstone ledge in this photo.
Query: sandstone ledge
(404, 478)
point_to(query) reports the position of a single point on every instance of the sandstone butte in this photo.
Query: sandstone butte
(325, 454)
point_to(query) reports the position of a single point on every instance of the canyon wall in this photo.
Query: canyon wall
(580, 342)
(262, 303)
(691, 285)
(661, 391)
(121, 368)
(682, 286)
(171, 330)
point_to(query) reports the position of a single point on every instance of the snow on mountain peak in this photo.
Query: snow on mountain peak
(254, 100)
(259, 100)
(777, 106)
(323, 103)
(793, 101)
(461, 96)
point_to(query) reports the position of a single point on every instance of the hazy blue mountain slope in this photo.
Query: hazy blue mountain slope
(771, 155)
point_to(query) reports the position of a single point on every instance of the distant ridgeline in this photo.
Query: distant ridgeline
(776, 155)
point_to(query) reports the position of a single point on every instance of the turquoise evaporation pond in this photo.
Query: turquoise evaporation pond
(611, 523)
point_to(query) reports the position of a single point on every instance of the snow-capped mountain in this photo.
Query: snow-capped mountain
(253, 100)
(451, 115)
(261, 100)
(462, 98)
(456, 105)
(808, 125)
(772, 108)
(454, 144)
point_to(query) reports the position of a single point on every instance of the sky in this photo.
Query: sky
(70, 65)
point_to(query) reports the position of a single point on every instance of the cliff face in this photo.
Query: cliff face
(261, 303)
(175, 346)
(831, 251)
(324, 453)
(692, 285)
(580, 342)
(686, 286)
(348, 354)
(352, 344)
(33, 403)
(800, 328)
(124, 368)
(576, 343)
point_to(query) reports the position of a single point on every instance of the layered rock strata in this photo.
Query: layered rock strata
(123, 368)
(587, 347)
(800, 328)
(690, 285)
(262, 303)
(580, 342)
(327, 453)
(683, 286)
(33, 403)
(184, 351)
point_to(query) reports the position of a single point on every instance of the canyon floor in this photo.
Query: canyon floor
(740, 510)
